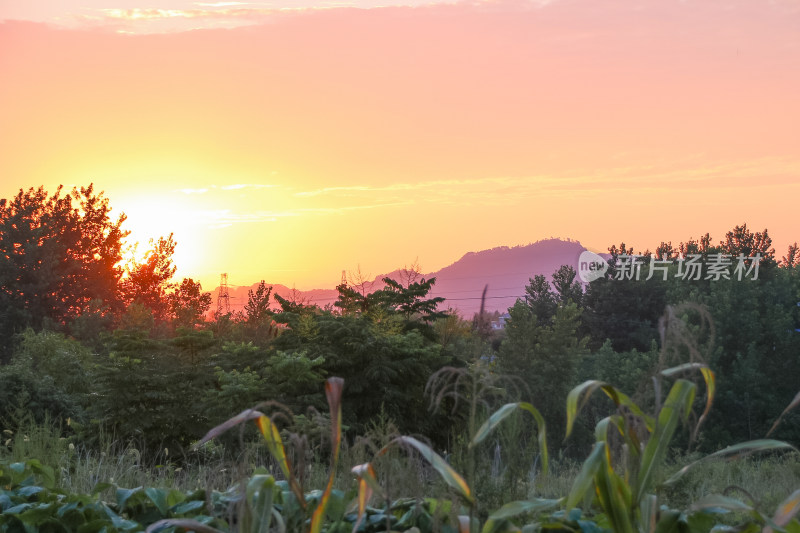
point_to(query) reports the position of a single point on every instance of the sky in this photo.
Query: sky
(289, 141)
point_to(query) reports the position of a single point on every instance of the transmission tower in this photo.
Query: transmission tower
(224, 297)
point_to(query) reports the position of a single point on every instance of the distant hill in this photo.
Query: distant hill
(505, 270)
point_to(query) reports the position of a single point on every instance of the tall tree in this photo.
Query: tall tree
(540, 299)
(58, 254)
(188, 303)
(741, 240)
(566, 287)
(258, 315)
(148, 282)
(792, 257)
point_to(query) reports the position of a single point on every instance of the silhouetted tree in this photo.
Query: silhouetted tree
(188, 303)
(58, 254)
(148, 282)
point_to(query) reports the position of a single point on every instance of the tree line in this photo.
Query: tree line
(122, 350)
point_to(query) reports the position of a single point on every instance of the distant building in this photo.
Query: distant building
(500, 323)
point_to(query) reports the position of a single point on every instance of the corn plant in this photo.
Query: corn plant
(283, 505)
(627, 493)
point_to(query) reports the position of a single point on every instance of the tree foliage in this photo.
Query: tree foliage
(58, 253)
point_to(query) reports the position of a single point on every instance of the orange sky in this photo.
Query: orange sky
(289, 145)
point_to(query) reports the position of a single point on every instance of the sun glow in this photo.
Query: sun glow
(149, 218)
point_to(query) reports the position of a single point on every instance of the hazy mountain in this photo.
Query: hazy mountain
(505, 270)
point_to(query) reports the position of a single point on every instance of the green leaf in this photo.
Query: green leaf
(333, 392)
(183, 508)
(188, 525)
(260, 495)
(711, 387)
(578, 397)
(123, 495)
(794, 403)
(367, 482)
(648, 511)
(46, 472)
(244, 416)
(525, 506)
(669, 521)
(159, 498)
(787, 509)
(275, 446)
(118, 521)
(585, 477)
(100, 487)
(503, 413)
(614, 495)
(29, 491)
(450, 476)
(17, 509)
(37, 514)
(736, 451)
(719, 503)
(678, 402)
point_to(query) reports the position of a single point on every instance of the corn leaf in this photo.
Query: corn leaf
(244, 416)
(503, 413)
(260, 495)
(612, 492)
(789, 407)
(188, 525)
(275, 446)
(578, 397)
(614, 496)
(711, 387)
(525, 506)
(585, 477)
(718, 501)
(364, 494)
(367, 473)
(787, 510)
(736, 451)
(648, 512)
(677, 406)
(450, 476)
(333, 392)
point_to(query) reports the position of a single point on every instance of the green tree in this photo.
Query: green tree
(792, 257)
(545, 356)
(48, 375)
(566, 287)
(58, 254)
(189, 304)
(539, 298)
(258, 315)
(148, 281)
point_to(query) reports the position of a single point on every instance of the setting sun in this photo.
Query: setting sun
(379, 230)
(291, 145)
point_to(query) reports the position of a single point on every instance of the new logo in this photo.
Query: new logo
(591, 266)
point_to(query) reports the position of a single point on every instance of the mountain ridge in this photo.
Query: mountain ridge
(504, 270)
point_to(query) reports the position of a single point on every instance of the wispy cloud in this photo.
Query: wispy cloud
(143, 14)
(238, 186)
(690, 174)
(222, 4)
(207, 15)
(225, 217)
(436, 185)
(231, 187)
